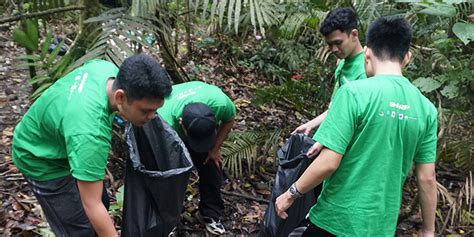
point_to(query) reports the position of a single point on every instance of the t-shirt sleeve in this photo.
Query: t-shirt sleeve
(426, 153)
(228, 111)
(87, 156)
(338, 127)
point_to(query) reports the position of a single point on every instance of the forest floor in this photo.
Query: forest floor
(245, 198)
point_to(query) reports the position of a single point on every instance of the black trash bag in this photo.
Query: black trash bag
(156, 178)
(292, 163)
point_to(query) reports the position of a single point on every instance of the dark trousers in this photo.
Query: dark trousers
(308, 229)
(210, 182)
(61, 203)
(313, 231)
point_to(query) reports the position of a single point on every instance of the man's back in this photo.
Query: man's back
(196, 92)
(380, 125)
(71, 113)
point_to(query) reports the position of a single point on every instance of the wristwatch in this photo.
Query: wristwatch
(294, 192)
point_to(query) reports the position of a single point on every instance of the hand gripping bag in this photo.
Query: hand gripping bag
(292, 163)
(156, 178)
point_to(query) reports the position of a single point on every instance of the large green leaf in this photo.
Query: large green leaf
(464, 31)
(450, 91)
(22, 39)
(427, 84)
(32, 33)
(438, 9)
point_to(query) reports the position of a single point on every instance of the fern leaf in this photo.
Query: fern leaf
(222, 5)
(230, 9)
(237, 15)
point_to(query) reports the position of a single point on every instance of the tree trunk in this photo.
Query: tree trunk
(176, 73)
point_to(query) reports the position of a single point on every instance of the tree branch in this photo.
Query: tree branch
(41, 13)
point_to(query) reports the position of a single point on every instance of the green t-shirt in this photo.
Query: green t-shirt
(67, 131)
(380, 125)
(349, 69)
(196, 91)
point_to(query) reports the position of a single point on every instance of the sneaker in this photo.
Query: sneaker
(214, 226)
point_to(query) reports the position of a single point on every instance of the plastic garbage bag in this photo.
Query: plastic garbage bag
(292, 163)
(156, 178)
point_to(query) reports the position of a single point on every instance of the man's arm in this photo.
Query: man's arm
(426, 182)
(222, 133)
(323, 166)
(91, 196)
(310, 125)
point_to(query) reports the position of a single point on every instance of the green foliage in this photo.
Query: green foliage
(50, 65)
(460, 153)
(248, 148)
(27, 34)
(116, 208)
(121, 36)
(464, 31)
(260, 14)
(299, 95)
(437, 9)
(443, 64)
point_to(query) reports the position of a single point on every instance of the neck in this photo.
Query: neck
(358, 48)
(110, 95)
(387, 67)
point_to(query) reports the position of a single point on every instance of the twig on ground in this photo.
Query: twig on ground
(261, 200)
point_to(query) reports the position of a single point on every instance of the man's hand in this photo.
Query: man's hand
(314, 150)
(305, 128)
(283, 202)
(310, 125)
(91, 197)
(215, 156)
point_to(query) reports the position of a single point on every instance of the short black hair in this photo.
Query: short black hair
(389, 38)
(141, 76)
(343, 19)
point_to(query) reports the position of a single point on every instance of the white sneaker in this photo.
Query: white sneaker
(212, 225)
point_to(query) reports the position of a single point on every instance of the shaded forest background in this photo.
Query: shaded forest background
(268, 56)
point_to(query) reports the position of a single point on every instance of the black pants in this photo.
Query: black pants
(210, 182)
(61, 203)
(307, 229)
(313, 231)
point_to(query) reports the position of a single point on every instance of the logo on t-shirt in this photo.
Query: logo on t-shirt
(81, 85)
(394, 112)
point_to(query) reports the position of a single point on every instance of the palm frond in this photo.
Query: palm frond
(121, 36)
(261, 13)
(247, 146)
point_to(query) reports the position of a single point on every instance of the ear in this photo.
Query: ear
(355, 34)
(407, 59)
(367, 54)
(119, 96)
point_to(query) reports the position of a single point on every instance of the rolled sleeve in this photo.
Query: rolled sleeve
(87, 156)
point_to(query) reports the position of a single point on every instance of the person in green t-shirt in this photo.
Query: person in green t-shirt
(375, 130)
(203, 116)
(62, 143)
(340, 30)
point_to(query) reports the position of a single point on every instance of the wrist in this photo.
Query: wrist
(293, 191)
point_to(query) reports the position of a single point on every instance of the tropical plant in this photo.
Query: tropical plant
(444, 62)
(50, 65)
(120, 36)
(249, 146)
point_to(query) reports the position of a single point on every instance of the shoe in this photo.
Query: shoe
(214, 226)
